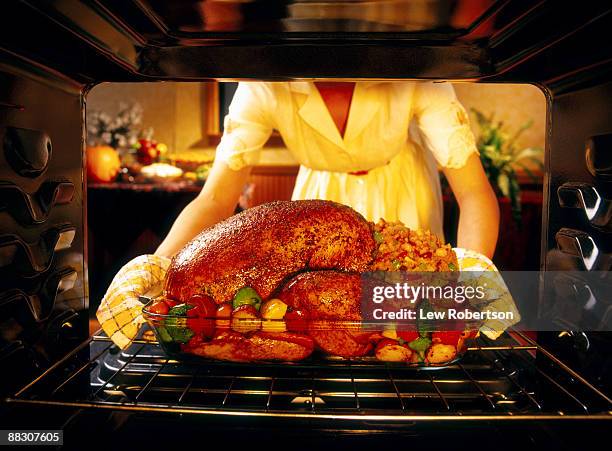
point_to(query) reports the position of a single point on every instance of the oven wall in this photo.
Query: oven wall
(43, 296)
(577, 228)
(580, 125)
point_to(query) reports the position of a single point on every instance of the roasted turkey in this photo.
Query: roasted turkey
(262, 246)
(279, 280)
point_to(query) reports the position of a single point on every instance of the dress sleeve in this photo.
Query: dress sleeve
(443, 124)
(246, 127)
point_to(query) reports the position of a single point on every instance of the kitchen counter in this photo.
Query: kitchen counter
(171, 186)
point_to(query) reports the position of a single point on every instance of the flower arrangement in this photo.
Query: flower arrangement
(120, 131)
(500, 157)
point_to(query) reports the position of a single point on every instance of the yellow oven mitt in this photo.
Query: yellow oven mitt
(498, 296)
(120, 312)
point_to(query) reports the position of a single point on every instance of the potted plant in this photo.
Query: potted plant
(501, 156)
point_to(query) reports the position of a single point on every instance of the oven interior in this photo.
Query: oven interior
(544, 388)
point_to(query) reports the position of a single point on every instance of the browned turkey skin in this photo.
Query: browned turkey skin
(332, 300)
(262, 246)
(235, 347)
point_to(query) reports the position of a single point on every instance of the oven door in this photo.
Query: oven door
(512, 392)
(140, 395)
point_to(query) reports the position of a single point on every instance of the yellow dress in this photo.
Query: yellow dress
(399, 132)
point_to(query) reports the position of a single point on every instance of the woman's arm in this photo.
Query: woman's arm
(479, 210)
(247, 127)
(216, 201)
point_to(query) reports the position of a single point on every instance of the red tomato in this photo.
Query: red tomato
(296, 320)
(171, 303)
(407, 335)
(204, 307)
(456, 325)
(159, 307)
(201, 317)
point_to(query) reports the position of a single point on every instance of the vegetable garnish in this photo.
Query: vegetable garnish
(179, 333)
(420, 345)
(246, 296)
(423, 326)
(180, 310)
(378, 237)
(175, 327)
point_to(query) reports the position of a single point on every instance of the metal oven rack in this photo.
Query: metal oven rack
(513, 378)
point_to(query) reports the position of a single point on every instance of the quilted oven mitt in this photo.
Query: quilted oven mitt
(499, 297)
(120, 312)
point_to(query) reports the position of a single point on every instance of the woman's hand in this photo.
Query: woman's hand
(216, 201)
(479, 209)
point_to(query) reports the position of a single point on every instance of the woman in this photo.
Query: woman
(372, 145)
(375, 146)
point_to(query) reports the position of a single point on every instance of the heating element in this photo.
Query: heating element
(513, 378)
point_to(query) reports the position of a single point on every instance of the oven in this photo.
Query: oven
(550, 389)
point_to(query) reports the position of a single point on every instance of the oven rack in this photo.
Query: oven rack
(512, 378)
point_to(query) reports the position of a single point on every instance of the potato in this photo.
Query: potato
(440, 353)
(389, 350)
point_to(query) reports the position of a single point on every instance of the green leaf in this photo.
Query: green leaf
(497, 141)
(423, 326)
(529, 152)
(420, 345)
(180, 310)
(176, 328)
(515, 200)
(503, 182)
(519, 132)
(163, 334)
(482, 120)
(180, 334)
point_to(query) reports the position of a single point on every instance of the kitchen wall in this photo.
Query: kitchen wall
(513, 104)
(175, 110)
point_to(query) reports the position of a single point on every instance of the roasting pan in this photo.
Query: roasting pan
(181, 327)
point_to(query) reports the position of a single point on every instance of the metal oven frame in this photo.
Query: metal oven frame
(43, 297)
